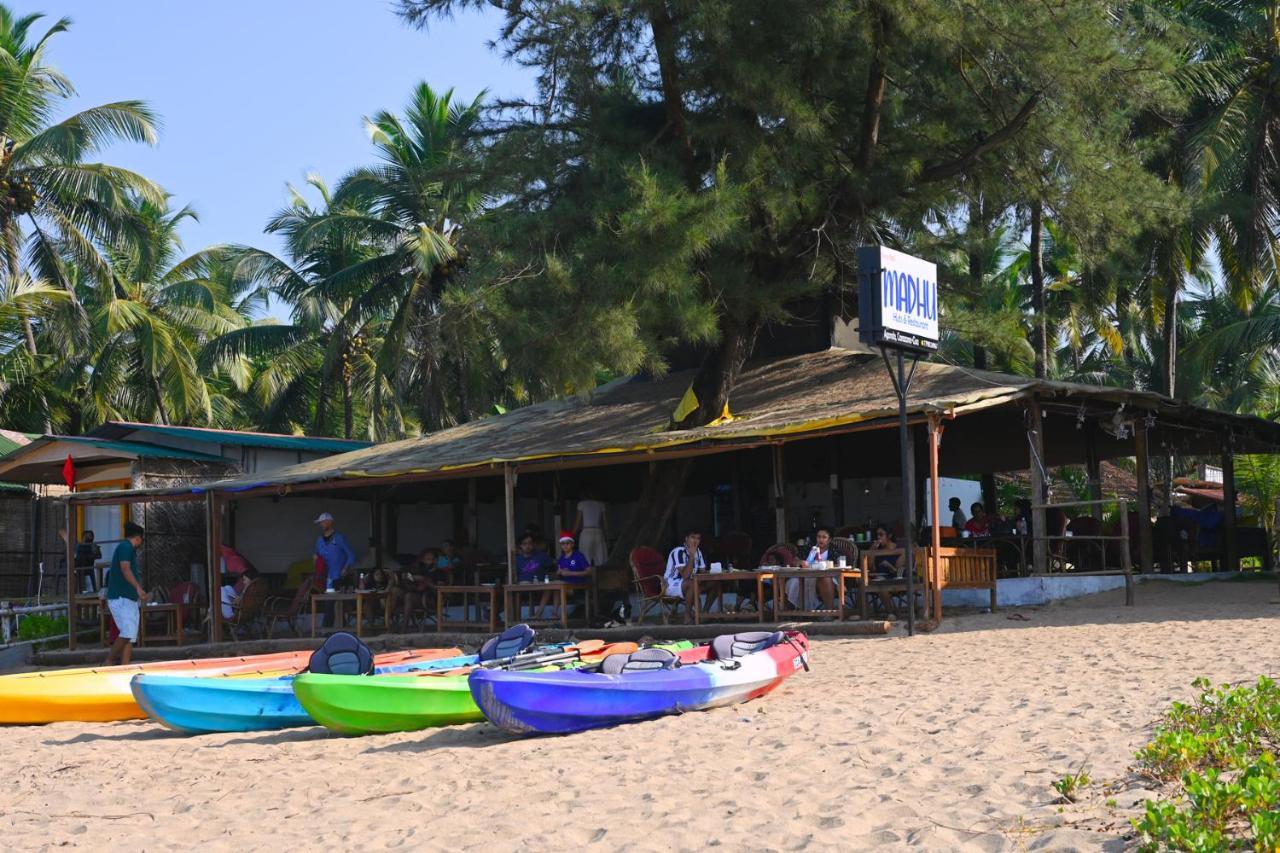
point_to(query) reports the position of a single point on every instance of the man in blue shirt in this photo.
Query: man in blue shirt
(332, 547)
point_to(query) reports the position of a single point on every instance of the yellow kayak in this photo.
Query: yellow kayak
(104, 695)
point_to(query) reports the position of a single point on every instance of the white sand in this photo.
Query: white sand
(947, 741)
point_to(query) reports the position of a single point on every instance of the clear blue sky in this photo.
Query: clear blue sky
(254, 94)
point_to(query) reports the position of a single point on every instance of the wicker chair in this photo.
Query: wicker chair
(247, 611)
(280, 609)
(647, 566)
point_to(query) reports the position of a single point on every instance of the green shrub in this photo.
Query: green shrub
(39, 625)
(1219, 750)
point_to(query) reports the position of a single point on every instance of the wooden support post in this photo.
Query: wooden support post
(990, 500)
(1125, 563)
(473, 516)
(69, 552)
(779, 495)
(1093, 467)
(213, 534)
(1230, 546)
(934, 581)
(1039, 490)
(837, 481)
(377, 533)
(509, 495)
(1144, 495)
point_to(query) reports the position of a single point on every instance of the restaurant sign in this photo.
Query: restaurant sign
(897, 299)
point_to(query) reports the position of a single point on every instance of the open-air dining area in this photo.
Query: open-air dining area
(794, 505)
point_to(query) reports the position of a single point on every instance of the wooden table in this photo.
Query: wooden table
(515, 592)
(339, 598)
(711, 579)
(840, 577)
(172, 614)
(467, 591)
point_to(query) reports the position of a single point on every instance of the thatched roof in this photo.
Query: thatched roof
(799, 396)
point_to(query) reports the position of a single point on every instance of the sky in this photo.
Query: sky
(255, 94)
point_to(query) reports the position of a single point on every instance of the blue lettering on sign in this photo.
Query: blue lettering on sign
(907, 294)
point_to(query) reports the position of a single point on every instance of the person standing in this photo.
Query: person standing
(86, 556)
(590, 530)
(125, 594)
(336, 556)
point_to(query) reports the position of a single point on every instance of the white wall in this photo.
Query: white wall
(275, 534)
(968, 491)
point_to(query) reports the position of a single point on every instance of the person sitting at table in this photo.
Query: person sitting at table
(531, 563)
(233, 588)
(683, 561)
(957, 514)
(979, 524)
(887, 567)
(572, 566)
(448, 561)
(417, 584)
(819, 553)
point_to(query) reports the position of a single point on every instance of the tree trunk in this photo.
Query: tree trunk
(1169, 328)
(663, 28)
(1040, 329)
(873, 97)
(977, 224)
(348, 416)
(160, 407)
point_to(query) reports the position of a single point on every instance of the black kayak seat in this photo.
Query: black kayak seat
(729, 646)
(509, 643)
(341, 654)
(644, 660)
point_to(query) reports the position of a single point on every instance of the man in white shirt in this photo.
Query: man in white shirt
(682, 562)
(957, 515)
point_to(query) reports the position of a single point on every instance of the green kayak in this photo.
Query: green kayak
(362, 704)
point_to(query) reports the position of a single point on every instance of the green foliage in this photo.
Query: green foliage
(1220, 750)
(1070, 785)
(39, 625)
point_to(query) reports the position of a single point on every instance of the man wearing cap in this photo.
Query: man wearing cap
(332, 547)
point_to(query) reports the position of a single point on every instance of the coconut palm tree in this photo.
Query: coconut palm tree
(420, 198)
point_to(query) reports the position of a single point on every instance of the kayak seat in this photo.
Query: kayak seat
(341, 654)
(645, 660)
(509, 643)
(728, 646)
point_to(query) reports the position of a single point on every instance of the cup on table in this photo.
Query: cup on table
(964, 534)
(841, 562)
(716, 568)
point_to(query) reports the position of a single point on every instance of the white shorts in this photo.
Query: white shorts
(675, 588)
(125, 612)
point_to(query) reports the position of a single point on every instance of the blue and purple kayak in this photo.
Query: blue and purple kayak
(733, 669)
(205, 705)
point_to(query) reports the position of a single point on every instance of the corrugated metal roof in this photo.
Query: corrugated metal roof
(119, 429)
(143, 451)
(11, 441)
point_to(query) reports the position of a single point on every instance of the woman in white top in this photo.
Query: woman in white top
(590, 530)
(820, 552)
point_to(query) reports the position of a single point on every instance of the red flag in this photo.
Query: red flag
(69, 472)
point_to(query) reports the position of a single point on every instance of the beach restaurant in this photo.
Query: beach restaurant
(809, 439)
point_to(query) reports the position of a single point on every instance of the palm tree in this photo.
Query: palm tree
(420, 198)
(298, 369)
(52, 202)
(148, 318)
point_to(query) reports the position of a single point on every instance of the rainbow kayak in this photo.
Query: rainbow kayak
(732, 669)
(104, 695)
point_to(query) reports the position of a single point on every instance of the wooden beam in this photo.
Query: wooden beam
(70, 554)
(1093, 467)
(509, 495)
(1144, 495)
(934, 581)
(1125, 563)
(473, 516)
(213, 541)
(377, 534)
(1039, 489)
(779, 495)
(1230, 547)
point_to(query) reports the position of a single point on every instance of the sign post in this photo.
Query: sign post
(898, 311)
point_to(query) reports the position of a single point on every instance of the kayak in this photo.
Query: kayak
(360, 705)
(104, 695)
(732, 669)
(204, 705)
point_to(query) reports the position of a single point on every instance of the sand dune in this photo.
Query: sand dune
(944, 741)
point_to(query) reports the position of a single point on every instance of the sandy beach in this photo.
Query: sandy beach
(943, 741)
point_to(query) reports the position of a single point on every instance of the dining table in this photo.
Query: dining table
(715, 581)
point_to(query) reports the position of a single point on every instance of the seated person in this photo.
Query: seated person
(888, 567)
(572, 565)
(448, 561)
(682, 562)
(979, 524)
(820, 552)
(417, 583)
(233, 590)
(957, 514)
(532, 564)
